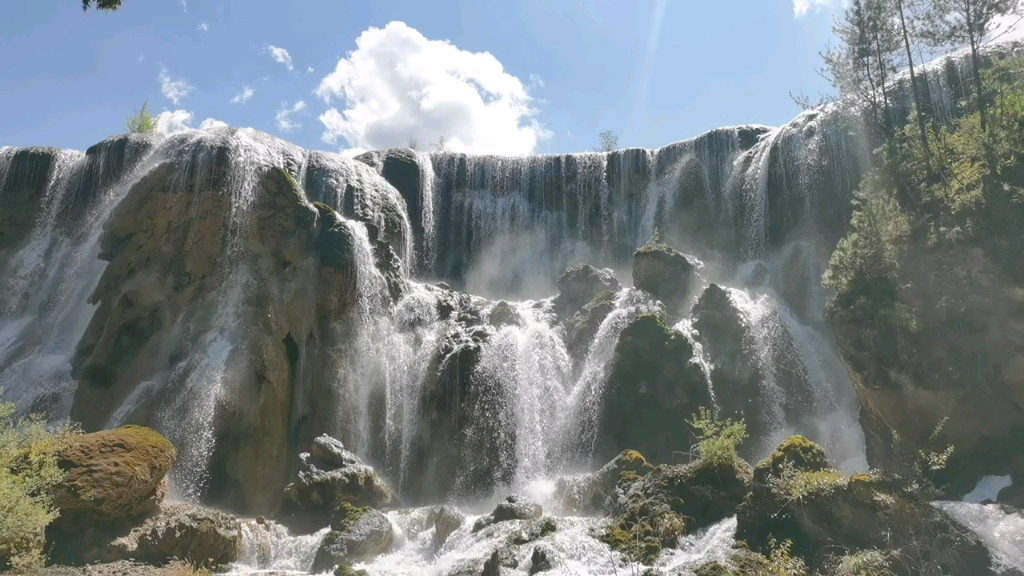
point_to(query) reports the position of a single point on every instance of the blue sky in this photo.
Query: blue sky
(558, 71)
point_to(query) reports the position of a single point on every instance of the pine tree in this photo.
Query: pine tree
(110, 5)
(955, 23)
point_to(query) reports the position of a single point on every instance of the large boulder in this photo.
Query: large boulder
(665, 273)
(199, 536)
(652, 511)
(579, 284)
(590, 493)
(653, 386)
(514, 507)
(113, 476)
(797, 496)
(357, 535)
(582, 327)
(335, 478)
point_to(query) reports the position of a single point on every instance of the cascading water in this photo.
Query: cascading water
(758, 205)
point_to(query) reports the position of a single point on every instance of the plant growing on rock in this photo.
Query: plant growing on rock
(28, 472)
(142, 121)
(717, 439)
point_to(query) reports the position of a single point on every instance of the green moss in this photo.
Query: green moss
(347, 516)
(795, 452)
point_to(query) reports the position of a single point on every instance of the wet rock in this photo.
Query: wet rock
(503, 556)
(579, 284)
(175, 531)
(357, 535)
(652, 511)
(581, 328)
(665, 273)
(199, 536)
(327, 488)
(446, 519)
(27, 177)
(797, 496)
(588, 493)
(533, 530)
(1012, 496)
(743, 360)
(332, 452)
(541, 559)
(399, 166)
(504, 314)
(514, 507)
(652, 388)
(113, 476)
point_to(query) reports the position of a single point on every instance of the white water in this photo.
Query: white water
(1000, 529)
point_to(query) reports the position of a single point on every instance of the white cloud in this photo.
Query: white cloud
(281, 55)
(173, 90)
(168, 122)
(203, 27)
(212, 123)
(536, 81)
(142, 58)
(399, 86)
(184, 5)
(244, 96)
(310, 70)
(802, 7)
(285, 123)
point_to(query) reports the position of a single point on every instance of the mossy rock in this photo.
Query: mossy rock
(653, 511)
(589, 493)
(797, 452)
(797, 496)
(581, 283)
(114, 475)
(582, 327)
(504, 314)
(665, 273)
(357, 535)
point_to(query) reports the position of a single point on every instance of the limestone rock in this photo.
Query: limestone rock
(326, 488)
(446, 519)
(185, 532)
(513, 507)
(504, 314)
(579, 284)
(357, 535)
(113, 476)
(588, 493)
(332, 452)
(540, 560)
(796, 496)
(652, 511)
(652, 388)
(581, 328)
(665, 273)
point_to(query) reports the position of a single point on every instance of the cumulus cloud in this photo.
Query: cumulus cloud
(168, 122)
(399, 86)
(282, 56)
(244, 95)
(802, 7)
(285, 116)
(173, 90)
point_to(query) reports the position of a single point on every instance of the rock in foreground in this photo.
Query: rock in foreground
(357, 535)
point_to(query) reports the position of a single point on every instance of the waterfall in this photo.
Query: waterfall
(1001, 529)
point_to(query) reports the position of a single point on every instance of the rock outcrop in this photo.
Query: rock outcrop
(357, 535)
(797, 496)
(653, 386)
(666, 273)
(581, 283)
(112, 477)
(963, 359)
(331, 477)
(513, 507)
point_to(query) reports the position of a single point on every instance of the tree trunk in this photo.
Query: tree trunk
(913, 89)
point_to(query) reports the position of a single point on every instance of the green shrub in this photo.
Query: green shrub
(863, 563)
(28, 472)
(717, 439)
(141, 121)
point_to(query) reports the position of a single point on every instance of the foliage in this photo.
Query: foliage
(141, 121)
(609, 141)
(918, 469)
(779, 562)
(440, 145)
(863, 563)
(109, 5)
(717, 439)
(28, 472)
(799, 485)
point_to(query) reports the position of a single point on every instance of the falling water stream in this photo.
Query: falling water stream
(755, 204)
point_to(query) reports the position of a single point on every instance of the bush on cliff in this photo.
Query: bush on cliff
(28, 473)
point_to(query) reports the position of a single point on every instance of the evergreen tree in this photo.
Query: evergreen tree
(955, 23)
(110, 5)
(915, 89)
